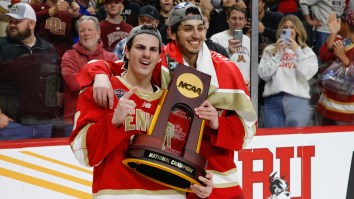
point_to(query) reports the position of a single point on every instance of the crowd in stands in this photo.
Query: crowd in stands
(46, 42)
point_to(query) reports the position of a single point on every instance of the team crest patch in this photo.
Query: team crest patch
(119, 93)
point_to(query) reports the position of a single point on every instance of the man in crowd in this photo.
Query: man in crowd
(113, 28)
(228, 110)
(239, 50)
(29, 78)
(147, 15)
(88, 48)
(54, 23)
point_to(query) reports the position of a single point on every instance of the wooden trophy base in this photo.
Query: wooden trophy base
(145, 157)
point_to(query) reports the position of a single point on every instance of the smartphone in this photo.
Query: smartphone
(285, 34)
(347, 42)
(238, 34)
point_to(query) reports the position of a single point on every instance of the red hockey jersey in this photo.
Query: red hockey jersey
(97, 143)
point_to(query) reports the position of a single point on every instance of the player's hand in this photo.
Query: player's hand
(125, 107)
(204, 191)
(103, 91)
(208, 112)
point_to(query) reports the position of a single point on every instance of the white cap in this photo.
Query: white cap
(22, 11)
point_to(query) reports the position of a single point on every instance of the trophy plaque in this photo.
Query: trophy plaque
(168, 153)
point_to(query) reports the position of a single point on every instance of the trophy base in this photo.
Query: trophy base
(146, 158)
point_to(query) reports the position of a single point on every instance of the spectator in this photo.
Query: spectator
(289, 7)
(55, 19)
(335, 108)
(104, 132)
(239, 51)
(320, 11)
(210, 43)
(88, 48)
(164, 7)
(87, 8)
(113, 28)
(286, 67)
(131, 11)
(231, 121)
(129, 14)
(147, 15)
(267, 25)
(218, 17)
(29, 78)
(268, 22)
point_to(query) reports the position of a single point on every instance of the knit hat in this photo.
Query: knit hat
(148, 29)
(22, 11)
(149, 11)
(348, 17)
(179, 13)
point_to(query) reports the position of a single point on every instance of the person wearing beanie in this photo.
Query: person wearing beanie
(29, 75)
(228, 111)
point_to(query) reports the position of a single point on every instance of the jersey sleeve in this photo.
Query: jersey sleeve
(94, 136)
(87, 73)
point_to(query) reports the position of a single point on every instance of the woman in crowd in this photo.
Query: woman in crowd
(286, 66)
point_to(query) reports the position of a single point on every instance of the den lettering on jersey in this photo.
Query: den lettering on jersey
(168, 153)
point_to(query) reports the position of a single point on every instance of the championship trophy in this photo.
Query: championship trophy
(168, 153)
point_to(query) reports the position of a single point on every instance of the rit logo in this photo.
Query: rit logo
(284, 154)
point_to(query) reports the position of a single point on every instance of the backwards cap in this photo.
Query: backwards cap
(147, 29)
(22, 11)
(178, 13)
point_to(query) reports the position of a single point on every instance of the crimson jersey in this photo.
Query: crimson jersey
(111, 33)
(97, 143)
(57, 29)
(227, 93)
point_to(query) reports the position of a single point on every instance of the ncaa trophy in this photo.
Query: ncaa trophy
(168, 153)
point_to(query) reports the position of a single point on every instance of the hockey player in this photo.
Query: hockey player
(101, 136)
(231, 119)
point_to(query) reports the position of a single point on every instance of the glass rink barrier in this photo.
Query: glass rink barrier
(296, 163)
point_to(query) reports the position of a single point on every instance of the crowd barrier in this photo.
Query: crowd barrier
(299, 163)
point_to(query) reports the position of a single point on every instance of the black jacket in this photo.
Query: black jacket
(29, 80)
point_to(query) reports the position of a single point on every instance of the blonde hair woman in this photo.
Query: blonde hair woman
(286, 66)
